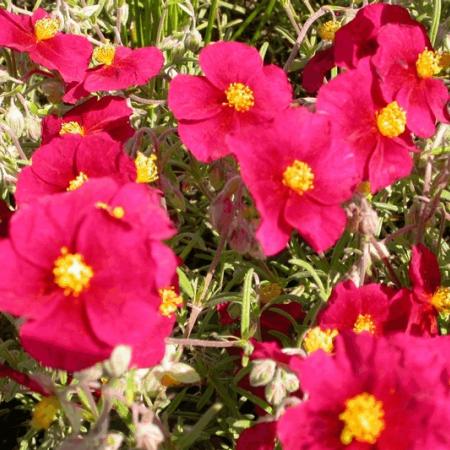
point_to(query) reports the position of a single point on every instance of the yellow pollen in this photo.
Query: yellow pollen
(318, 339)
(44, 413)
(240, 97)
(328, 29)
(117, 212)
(71, 128)
(269, 291)
(168, 380)
(169, 301)
(428, 64)
(146, 168)
(363, 418)
(444, 60)
(104, 54)
(441, 300)
(46, 28)
(77, 182)
(71, 273)
(299, 177)
(391, 120)
(364, 322)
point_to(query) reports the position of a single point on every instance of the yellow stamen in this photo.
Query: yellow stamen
(318, 339)
(240, 97)
(72, 273)
(428, 64)
(104, 54)
(117, 212)
(441, 300)
(77, 182)
(44, 413)
(364, 322)
(71, 128)
(299, 177)
(363, 418)
(269, 291)
(146, 168)
(328, 29)
(46, 28)
(444, 60)
(391, 120)
(169, 301)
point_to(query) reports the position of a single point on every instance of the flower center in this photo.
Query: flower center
(170, 301)
(44, 413)
(240, 97)
(427, 64)
(318, 339)
(328, 29)
(299, 177)
(71, 273)
(364, 322)
(146, 168)
(391, 120)
(269, 291)
(77, 182)
(104, 54)
(71, 128)
(117, 212)
(363, 418)
(46, 28)
(441, 300)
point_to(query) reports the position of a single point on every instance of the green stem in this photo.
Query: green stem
(436, 18)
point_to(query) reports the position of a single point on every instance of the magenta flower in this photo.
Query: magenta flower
(87, 271)
(296, 179)
(374, 393)
(39, 36)
(66, 163)
(364, 124)
(109, 115)
(407, 65)
(236, 91)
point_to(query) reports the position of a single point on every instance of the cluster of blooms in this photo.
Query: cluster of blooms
(300, 165)
(83, 261)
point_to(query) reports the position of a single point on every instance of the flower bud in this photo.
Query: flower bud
(33, 127)
(148, 436)
(262, 372)
(119, 361)
(15, 119)
(290, 380)
(275, 391)
(178, 373)
(193, 40)
(112, 441)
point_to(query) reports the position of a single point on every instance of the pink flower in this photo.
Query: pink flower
(374, 393)
(109, 115)
(407, 65)
(88, 271)
(353, 42)
(364, 124)
(428, 295)
(296, 179)
(236, 91)
(372, 308)
(39, 36)
(117, 68)
(67, 162)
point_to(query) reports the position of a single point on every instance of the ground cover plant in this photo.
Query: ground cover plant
(224, 225)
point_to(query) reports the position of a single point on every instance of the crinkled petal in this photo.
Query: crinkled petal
(424, 270)
(16, 31)
(316, 69)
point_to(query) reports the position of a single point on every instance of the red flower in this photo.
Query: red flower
(353, 42)
(364, 124)
(117, 68)
(5, 217)
(428, 295)
(39, 36)
(87, 272)
(259, 437)
(407, 64)
(296, 180)
(372, 308)
(236, 91)
(66, 163)
(375, 393)
(109, 115)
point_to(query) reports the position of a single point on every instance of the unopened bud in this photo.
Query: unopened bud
(33, 127)
(290, 380)
(193, 40)
(275, 391)
(262, 372)
(112, 441)
(148, 436)
(119, 361)
(15, 120)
